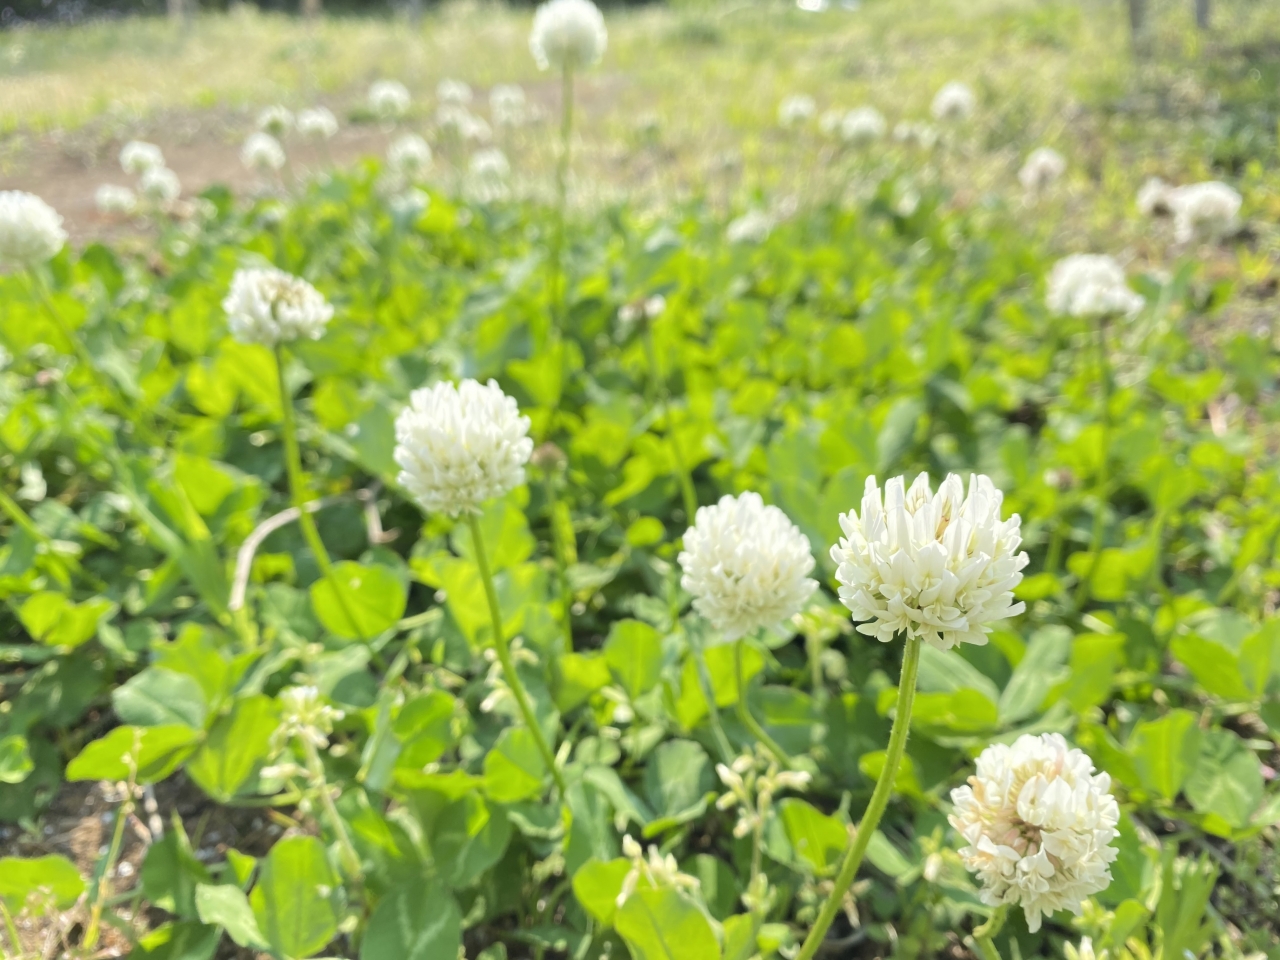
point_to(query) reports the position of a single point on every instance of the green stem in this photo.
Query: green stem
(983, 940)
(20, 519)
(558, 278)
(1103, 479)
(12, 930)
(346, 849)
(102, 885)
(688, 494)
(562, 558)
(503, 650)
(744, 711)
(709, 696)
(879, 801)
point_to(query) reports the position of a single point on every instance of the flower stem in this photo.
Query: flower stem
(744, 711)
(983, 940)
(663, 403)
(558, 278)
(102, 885)
(1103, 479)
(561, 549)
(879, 801)
(346, 849)
(709, 696)
(504, 657)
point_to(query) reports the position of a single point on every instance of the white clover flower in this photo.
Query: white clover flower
(488, 172)
(658, 870)
(1090, 285)
(1043, 166)
(453, 91)
(861, 126)
(1155, 198)
(388, 99)
(160, 185)
(305, 716)
(1205, 211)
(507, 105)
(114, 200)
(269, 306)
(1039, 824)
(30, 230)
(747, 566)
(941, 567)
(317, 123)
(796, 109)
(410, 203)
(915, 134)
(262, 152)
(568, 35)
(276, 120)
(409, 156)
(954, 102)
(458, 446)
(137, 157)
(754, 226)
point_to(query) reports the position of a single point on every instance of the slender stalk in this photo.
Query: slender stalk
(879, 801)
(298, 493)
(102, 886)
(346, 849)
(1104, 476)
(709, 697)
(744, 711)
(688, 494)
(503, 650)
(561, 550)
(14, 511)
(983, 940)
(12, 930)
(558, 284)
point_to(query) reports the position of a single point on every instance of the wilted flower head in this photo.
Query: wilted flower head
(796, 109)
(941, 567)
(915, 134)
(507, 105)
(269, 306)
(1043, 166)
(747, 566)
(160, 185)
(754, 226)
(1204, 211)
(862, 125)
(305, 716)
(409, 156)
(317, 123)
(1090, 285)
(30, 230)
(1084, 951)
(752, 781)
(388, 99)
(953, 102)
(1039, 824)
(262, 152)
(276, 120)
(1155, 198)
(458, 446)
(658, 871)
(137, 157)
(453, 91)
(568, 34)
(114, 200)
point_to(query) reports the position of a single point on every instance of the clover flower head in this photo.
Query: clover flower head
(269, 306)
(1155, 198)
(568, 35)
(1043, 167)
(305, 716)
(30, 230)
(409, 156)
(1090, 285)
(137, 157)
(1039, 824)
(796, 109)
(657, 870)
(940, 567)
(488, 172)
(276, 120)
(114, 200)
(160, 185)
(747, 566)
(861, 126)
(317, 123)
(754, 226)
(262, 152)
(1205, 211)
(453, 91)
(459, 446)
(388, 99)
(507, 105)
(953, 103)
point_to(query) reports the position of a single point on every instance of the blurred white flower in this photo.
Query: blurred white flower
(276, 120)
(657, 870)
(160, 185)
(1205, 211)
(488, 174)
(568, 34)
(30, 230)
(941, 567)
(137, 157)
(1039, 824)
(317, 123)
(388, 99)
(507, 105)
(409, 156)
(915, 134)
(953, 102)
(114, 200)
(269, 306)
(1043, 167)
(303, 715)
(262, 152)
(1155, 198)
(754, 226)
(861, 126)
(1084, 951)
(1090, 285)
(796, 109)
(459, 446)
(453, 91)
(459, 122)
(747, 566)
(410, 203)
